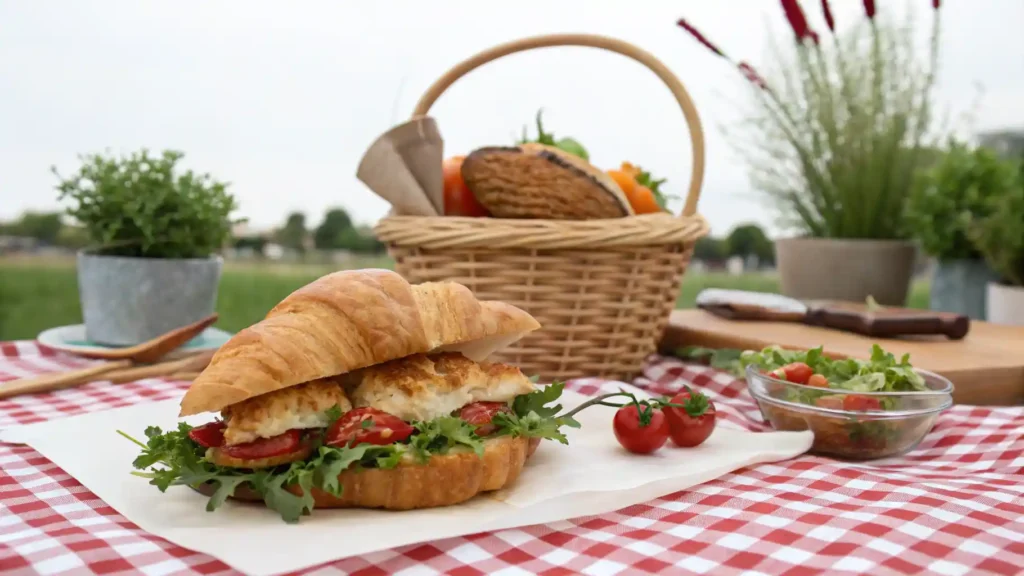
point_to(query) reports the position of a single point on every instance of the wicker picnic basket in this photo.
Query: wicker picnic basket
(602, 290)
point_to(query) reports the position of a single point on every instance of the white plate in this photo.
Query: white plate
(72, 339)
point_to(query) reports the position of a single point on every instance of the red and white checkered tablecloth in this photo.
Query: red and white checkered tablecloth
(955, 505)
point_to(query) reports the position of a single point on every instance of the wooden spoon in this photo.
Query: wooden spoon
(154, 349)
(118, 371)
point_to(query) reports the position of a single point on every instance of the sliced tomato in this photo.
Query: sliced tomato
(209, 435)
(480, 414)
(798, 372)
(367, 426)
(858, 403)
(285, 443)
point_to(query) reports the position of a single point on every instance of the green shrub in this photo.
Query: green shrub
(999, 236)
(141, 206)
(959, 190)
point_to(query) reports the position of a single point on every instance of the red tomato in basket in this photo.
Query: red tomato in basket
(209, 435)
(856, 403)
(285, 443)
(640, 434)
(458, 198)
(798, 372)
(690, 426)
(367, 426)
(480, 414)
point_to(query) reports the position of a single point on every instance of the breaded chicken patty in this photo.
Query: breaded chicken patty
(298, 407)
(422, 387)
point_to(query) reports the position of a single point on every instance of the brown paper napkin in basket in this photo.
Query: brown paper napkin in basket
(403, 166)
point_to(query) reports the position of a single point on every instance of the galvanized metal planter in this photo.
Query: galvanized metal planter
(126, 301)
(960, 286)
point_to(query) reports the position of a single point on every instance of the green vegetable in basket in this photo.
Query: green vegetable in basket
(548, 139)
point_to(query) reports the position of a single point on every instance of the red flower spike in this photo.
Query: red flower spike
(828, 14)
(700, 37)
(753, 76)
(797, 20)
(869, 8)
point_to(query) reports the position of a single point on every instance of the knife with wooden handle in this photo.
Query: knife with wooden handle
(867, 320)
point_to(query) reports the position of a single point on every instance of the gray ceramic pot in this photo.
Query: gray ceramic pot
(960, 286)
(850, 270)
(126, 301)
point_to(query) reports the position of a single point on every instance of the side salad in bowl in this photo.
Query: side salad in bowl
(857, 409)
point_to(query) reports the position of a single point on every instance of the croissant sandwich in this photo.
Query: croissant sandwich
(360, 390)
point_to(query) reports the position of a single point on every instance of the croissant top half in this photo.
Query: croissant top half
(349, 320)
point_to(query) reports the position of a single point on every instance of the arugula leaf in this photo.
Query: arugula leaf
(536, 401)
(533, 418)
(532, 426)
(278, 498)
(440, 435)
(226, 486)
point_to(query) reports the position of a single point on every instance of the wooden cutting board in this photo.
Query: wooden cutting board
(986, 367)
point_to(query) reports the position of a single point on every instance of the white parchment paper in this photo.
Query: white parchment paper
(592, 475)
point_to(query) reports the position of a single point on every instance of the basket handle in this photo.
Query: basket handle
(593, 41)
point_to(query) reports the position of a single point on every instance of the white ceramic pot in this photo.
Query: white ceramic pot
(1005, 304)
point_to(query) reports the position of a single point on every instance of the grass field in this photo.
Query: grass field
(35, 295)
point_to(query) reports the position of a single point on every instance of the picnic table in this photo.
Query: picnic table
(955, 505)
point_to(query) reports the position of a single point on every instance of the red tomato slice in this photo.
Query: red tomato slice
(209, 435)
(857, 403)
(685, 430)
(637, 437)
(367, 426)
(480, 414)
(798, 372)
(285, 443)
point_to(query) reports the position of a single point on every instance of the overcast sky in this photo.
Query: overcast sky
(282, 98)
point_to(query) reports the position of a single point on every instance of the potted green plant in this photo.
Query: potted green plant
(999, 236)
(945, 200)
(833, 141)
(156, 232)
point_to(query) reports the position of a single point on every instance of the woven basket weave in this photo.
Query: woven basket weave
(601, 289)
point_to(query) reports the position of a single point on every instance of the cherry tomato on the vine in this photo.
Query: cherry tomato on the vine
(691, 424)
(640, 428)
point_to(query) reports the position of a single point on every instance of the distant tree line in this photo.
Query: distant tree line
(47, 228)
(744, 241)
(335, 232)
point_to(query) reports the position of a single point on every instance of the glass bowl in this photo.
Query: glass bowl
(852, 434)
